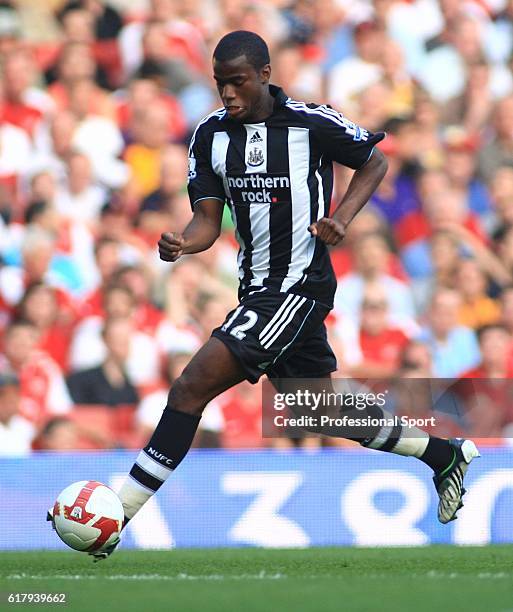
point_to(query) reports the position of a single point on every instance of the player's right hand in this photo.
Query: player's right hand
(171, 246)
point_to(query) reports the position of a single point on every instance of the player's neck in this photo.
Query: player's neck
(263, 109)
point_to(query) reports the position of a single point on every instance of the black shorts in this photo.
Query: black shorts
(278, 334)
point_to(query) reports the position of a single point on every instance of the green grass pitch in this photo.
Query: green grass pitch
(433, 578)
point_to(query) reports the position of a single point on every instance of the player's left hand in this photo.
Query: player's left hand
(330, 231)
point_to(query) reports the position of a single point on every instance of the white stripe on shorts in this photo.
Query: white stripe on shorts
(272, 339)
(278, 318)
(275, 316)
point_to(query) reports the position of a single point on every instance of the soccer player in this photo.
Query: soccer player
(270, 159)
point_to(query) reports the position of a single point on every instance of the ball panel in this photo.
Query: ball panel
(108, 527)
(77, 536)
(103, 497)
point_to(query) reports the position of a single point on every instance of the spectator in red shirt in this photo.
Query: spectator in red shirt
(75, 63)
(94, 23)
(40, 306)
(442, 209)
(241, 408)
(141, 92)
(368, 221)
(488, 397)
(88, 345)
(495, 345)
(137, 278)
(17, 76)
(59, 434)
(107, 260)
(189, 95)
(149, 319)
(43, 390)
(380, 344)
(184, 40)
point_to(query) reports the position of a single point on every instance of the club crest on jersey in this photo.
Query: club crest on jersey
(255, 157)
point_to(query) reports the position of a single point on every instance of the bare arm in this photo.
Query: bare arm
(199, 235)
(363, 184)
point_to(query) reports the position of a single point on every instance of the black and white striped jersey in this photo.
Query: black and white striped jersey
(277, 178)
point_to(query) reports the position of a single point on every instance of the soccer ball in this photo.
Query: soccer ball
(88, 515)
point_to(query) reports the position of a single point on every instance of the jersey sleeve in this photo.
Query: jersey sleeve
(343, 141)
(202, 181)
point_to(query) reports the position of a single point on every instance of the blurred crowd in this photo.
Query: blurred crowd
(98, 101)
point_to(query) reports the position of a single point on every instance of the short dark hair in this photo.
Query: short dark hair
(54, 423)
(35, 210)
(484, 329)
(17, 323)
(105, 241)
(243, 42)
(117, 286)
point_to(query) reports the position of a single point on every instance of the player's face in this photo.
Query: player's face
(242, 89)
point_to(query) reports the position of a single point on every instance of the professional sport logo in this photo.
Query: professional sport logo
(259, 188)
(255, 157)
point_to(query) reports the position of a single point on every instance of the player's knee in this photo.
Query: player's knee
(184, 397)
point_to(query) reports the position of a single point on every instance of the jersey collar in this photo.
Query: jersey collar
(280, 97)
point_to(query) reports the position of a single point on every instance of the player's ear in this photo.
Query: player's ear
(265, 74)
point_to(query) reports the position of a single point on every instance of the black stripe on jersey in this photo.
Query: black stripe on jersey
(280, 215)
(147, 480)
(236, 164)
(326, 172)
(313, 183)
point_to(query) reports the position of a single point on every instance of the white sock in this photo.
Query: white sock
(412, 441)
(134, 493)
(413, 444)
(133, 496)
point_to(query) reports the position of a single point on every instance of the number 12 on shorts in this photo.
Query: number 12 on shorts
(239, 331)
